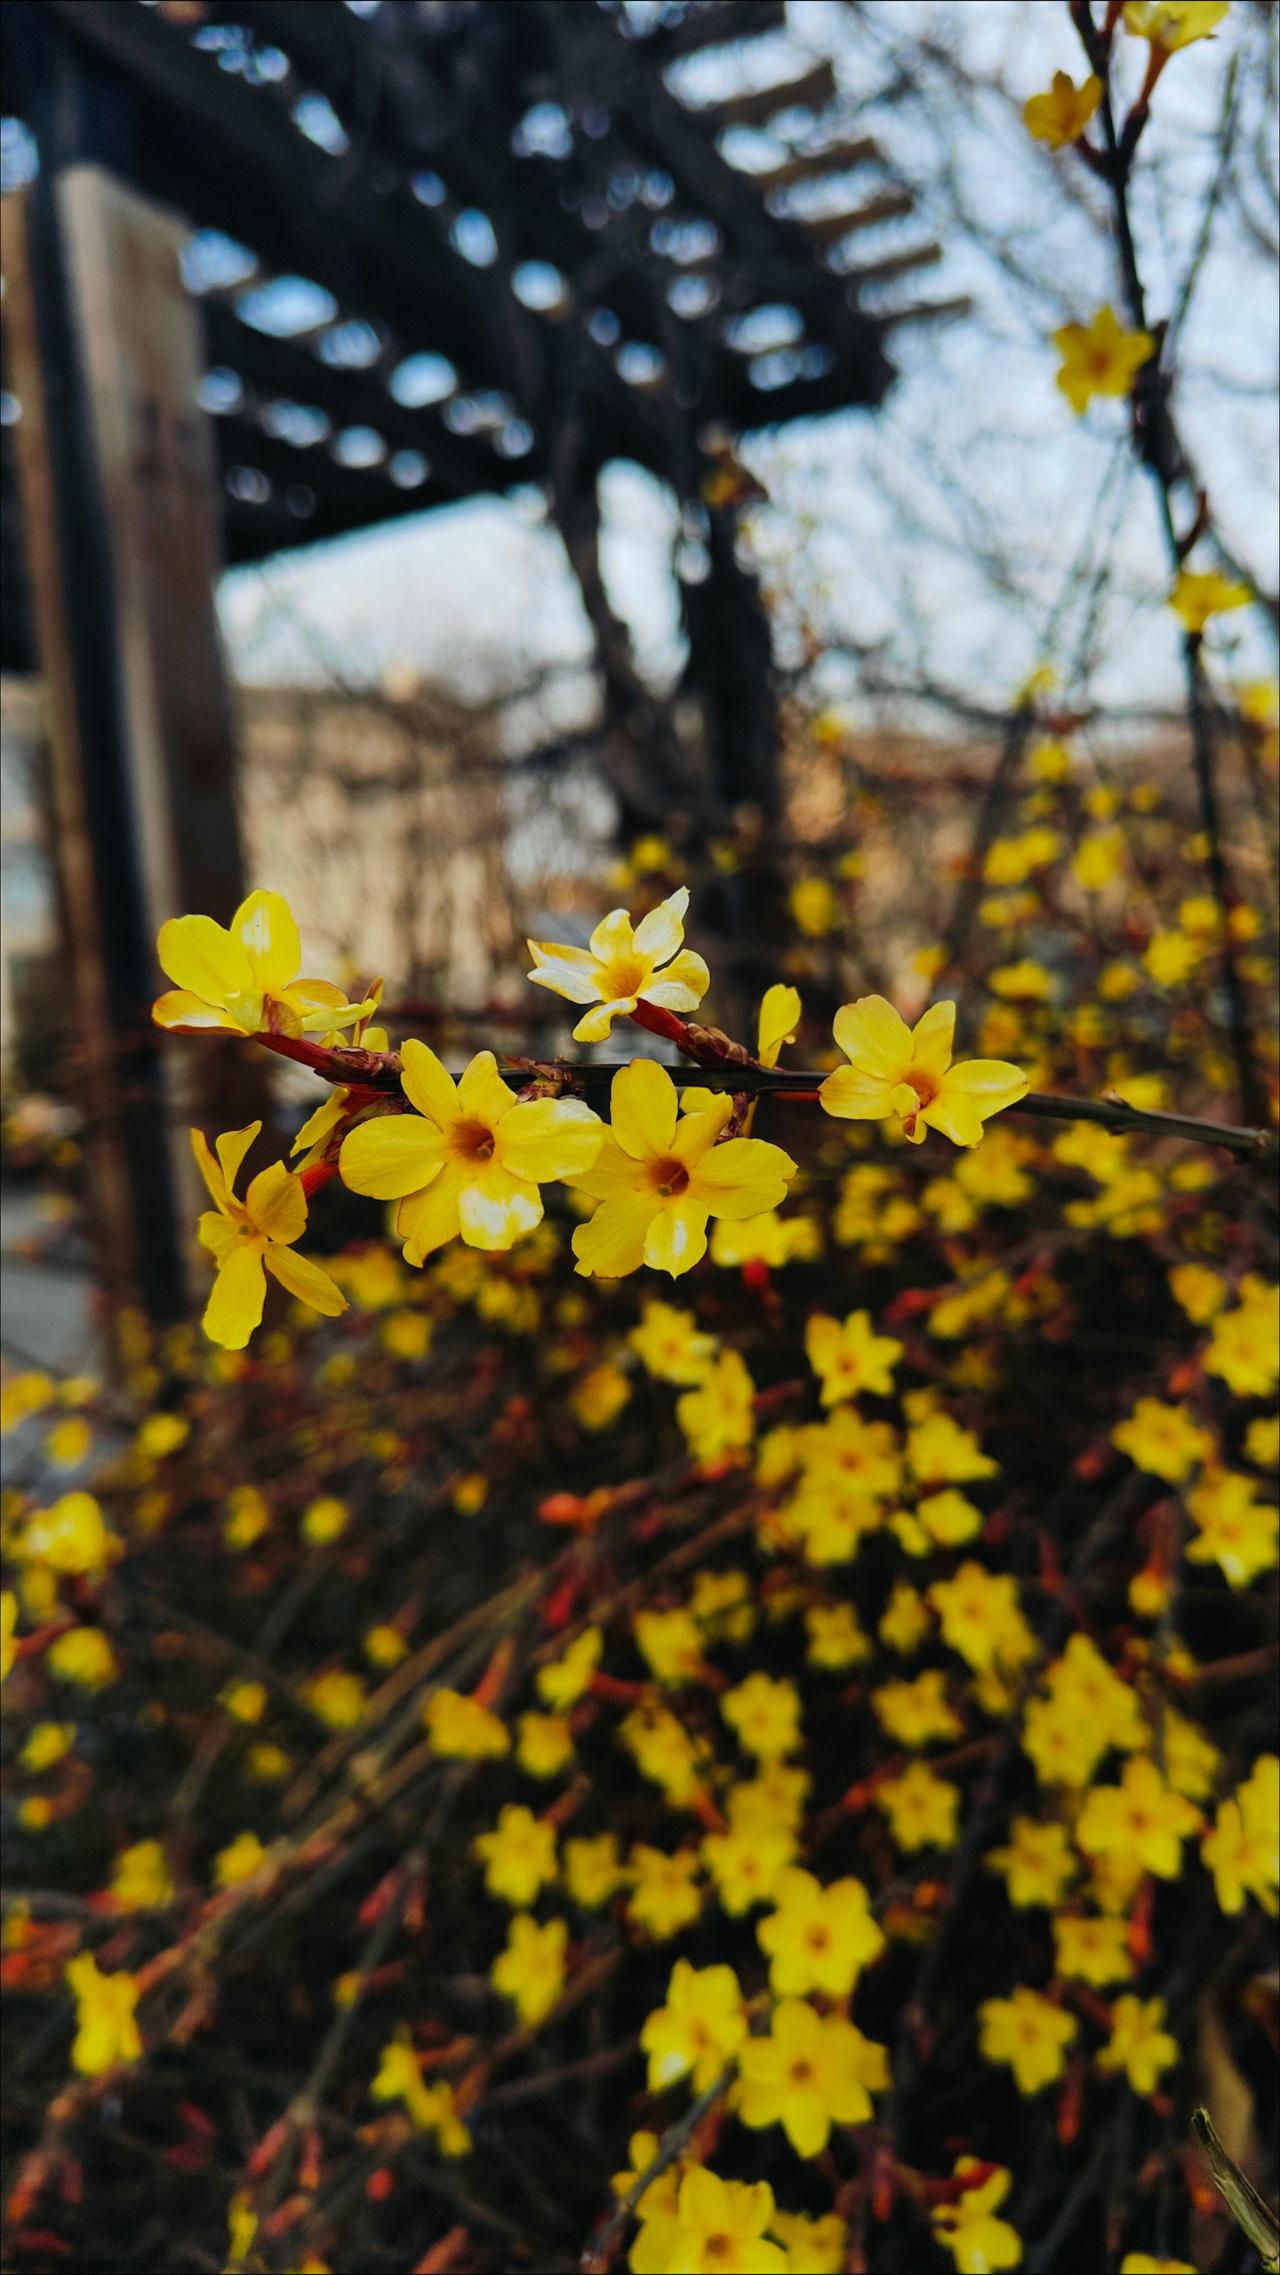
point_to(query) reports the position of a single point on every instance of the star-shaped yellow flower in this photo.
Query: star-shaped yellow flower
(622, 964)
(245, 1236)
(906, 1072)
(1099, 358)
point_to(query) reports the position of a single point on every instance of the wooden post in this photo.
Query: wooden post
(120, 519)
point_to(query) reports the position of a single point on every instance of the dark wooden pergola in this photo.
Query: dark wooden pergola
(513, 254)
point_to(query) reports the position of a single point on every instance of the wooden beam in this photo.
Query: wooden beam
(814, 165)
(897, 264)
(811, 91)
(120, 517)
(833, 228)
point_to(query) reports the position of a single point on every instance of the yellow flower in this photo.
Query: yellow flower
(1171, 24)
(664, 1751)
(565, 1680)
(336, 1698)
(818, 1940)
(84, 1656)
(1243, 1849)
(669, 1643)
(905, 1621)
(68, 1442)
(980, 1618)
(323, 1520)
(717, 2228)
(593, 1870)
(907, 1072)
(836, 1639)
(247, 1517)
(463, 1729)
(162, 1434)
(1171, 957)
(519, 1856)
(1145, 2263)
(470, 1494)
(601, 1395)
(719, 1417)
(71, 1537)
(1244, 1348)
(530, 1970)
(1137, 2044)
(779, 1017)
(1023, 982)
(243, 978)
(814, 907)
(660, 1178)
(698, 2031)
(432, 2108)
(921, 1808)
(745, 1865)
(1092, 1951)
(621, 966)
(1030, 2033)
(1235, 1532)
(1141, 1820)
(1061, 115)
(470, 1158)
(1098, 858)
(813, 2246)
(47, 1744)
(1099, 358)
(106, 2033)
(1163, 1440)
(245, 1701)
(849, 1357)
(808, 2075)
(243, 1236)
(669, 1345)
(1199, 594)
(384, 1645)
(544, 1744)
(1037, 1866)
(766, 1716)
(238, 1861)
(916, 1713)
(664, 1896)
(978, 2242)
(142, 1881)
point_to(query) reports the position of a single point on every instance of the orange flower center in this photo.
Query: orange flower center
(925, 1085)
(669, 1178)
(471, 1141)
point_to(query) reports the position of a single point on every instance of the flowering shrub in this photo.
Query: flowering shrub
(515, 1763)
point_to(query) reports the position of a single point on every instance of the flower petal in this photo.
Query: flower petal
(276, 1203)
(613, 1242)
(239, 1292)
(612, 936)
(779, 1017)
(681, 986)
(856, 1097)
(326, 1117)
(659, 934)
(549, 1137)
(990, 1083)
(427, 1083)
(305, 1281)
(677, 1236)
(566, 971)
(642, 1109)
(198, 954)
(391, 1156)
(742, 1177)
(425, 1221)
(216, 1233)
(933, 1038)
(482, 1091)
(494, 1208)
(695, 1134)
(612, 1172)
(211, 1171)
(871, 1034)
(232, 1147)
(264, 927)
(596, 1025)
(181, 1011)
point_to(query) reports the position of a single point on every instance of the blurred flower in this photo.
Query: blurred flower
(1061, 115)
(1030, 2033)
(808, 2074)
(1099, 358)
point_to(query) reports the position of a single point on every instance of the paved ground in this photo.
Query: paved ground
(45, 1318)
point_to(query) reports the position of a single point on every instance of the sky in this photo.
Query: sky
(873, 522)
